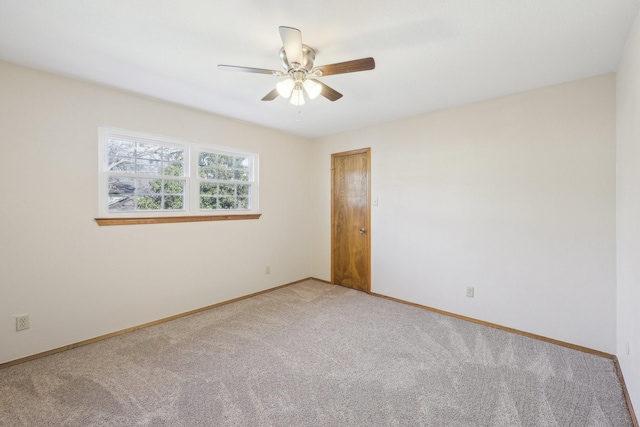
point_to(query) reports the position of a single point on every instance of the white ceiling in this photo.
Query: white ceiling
(430, 54)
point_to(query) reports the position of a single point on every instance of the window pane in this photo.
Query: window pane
(149, 151)
(226, 161)
(122, 165)
(208, 202)
(149, 203)
(241, 175)
(149, 167)
(208, 188)
(172, 154)
(121, 155)
(121, 204)
(241, 163)
(173, 187)
(225, 174)
(208, 173)
(243, 190)
(121, 148)
(173, 202)
(243, 203)
(207, 159)
(227, 190)
(173, 169)
(226, 202)
(149, 186)
(121, 185)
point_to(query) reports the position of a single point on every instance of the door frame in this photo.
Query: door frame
(367, 226)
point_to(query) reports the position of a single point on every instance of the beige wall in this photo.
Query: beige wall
(78, 280)
(514, 196)
(628, 213)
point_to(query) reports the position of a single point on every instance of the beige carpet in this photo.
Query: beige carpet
(313, 354)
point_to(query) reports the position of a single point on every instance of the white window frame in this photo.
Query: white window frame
(192, 180)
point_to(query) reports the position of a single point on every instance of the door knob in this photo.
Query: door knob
(362, 230)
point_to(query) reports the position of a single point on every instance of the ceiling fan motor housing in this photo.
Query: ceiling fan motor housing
(308, 56)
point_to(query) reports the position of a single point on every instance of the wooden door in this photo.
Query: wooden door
(350, 218)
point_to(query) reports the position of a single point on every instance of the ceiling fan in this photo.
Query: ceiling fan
(297, 61)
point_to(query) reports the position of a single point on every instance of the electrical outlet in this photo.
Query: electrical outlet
(470, 291)
(22, 322)
(267, 269)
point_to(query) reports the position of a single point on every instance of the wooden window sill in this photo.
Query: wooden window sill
(172, 219)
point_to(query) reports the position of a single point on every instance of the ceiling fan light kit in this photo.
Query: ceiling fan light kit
(312, 88)
(285, 88)
(297, 61)
(297, 97)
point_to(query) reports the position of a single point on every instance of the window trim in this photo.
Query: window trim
(192, 211)
(173, 219)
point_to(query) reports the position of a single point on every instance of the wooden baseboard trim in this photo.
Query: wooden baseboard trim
(321, 281)
(534, 336)
(502, 328)
(144, 325)
(491, 325)
(634, 419)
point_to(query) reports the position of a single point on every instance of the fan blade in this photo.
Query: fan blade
(327, 92)
(292, 43)
(250, 70)
(271, 95)
(363, 64)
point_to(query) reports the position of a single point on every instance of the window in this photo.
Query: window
(224, 181)
(149, 175)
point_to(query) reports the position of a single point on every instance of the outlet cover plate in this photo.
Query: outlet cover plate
(22, 322)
